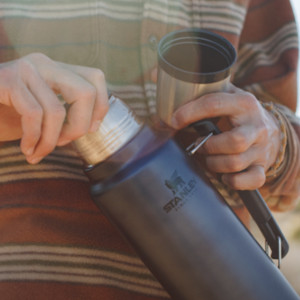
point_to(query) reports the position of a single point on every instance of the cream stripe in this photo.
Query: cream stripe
(221, 7)
(132, 89)
(26, 275)
(41, 175)
(65, 15)
(18, 249)
(71, 259)
(127, 88)
(85, 273)
(55, 11)
(31, 262)
(268, 51)
(229, 15)
(10, 155)
(13, 149)
(20, 171)
(263, 59)
(214, 7)
(68, 9)
(272, 41)
(214, 21)
(155, 10)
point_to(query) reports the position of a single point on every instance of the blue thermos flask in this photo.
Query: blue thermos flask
(172, 216)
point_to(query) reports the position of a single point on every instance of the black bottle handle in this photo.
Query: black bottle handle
(255, 204)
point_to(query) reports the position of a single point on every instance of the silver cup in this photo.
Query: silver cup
(191, 63)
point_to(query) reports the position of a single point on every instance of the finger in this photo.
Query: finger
(31, 114)
(97, 79)
(53, 117)
(253, 178)
(215, 105)
(81, 96)
(233, 162)
(237, 140)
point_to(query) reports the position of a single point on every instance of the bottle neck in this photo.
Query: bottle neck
(117, 128)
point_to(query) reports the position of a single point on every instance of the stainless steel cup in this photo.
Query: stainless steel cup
(191, 63)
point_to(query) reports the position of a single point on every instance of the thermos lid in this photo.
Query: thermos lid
(118, 127)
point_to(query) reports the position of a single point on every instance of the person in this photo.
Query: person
(55, 243)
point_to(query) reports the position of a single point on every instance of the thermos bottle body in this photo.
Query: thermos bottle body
(179, 224)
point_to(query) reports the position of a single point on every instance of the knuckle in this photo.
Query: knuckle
(8, 76)
(249, 102)
(212, 104)
(98, 75)
(262, 130)
(35, 113)
(260, 177)
(88, 93)
(57, 112)
(239, 141)
(31, 121)
(235, 163)
(37, 56)
(25, 67)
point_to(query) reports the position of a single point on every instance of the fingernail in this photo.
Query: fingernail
(63, 142)
(29, 151)
(34, 160)
(95, 126)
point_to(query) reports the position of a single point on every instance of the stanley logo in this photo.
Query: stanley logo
(180, 189)
(175, 183)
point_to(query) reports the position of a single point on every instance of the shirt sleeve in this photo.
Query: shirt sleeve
(267, 67)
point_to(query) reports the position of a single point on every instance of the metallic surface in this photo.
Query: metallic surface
(172, 93)
(117, 128)
(183, 230)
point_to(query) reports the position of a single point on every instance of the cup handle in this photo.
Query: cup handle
(255, 204)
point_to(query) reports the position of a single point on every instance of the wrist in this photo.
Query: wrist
(278, 162)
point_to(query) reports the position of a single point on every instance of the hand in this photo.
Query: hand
(243, 153)
(31, 110)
